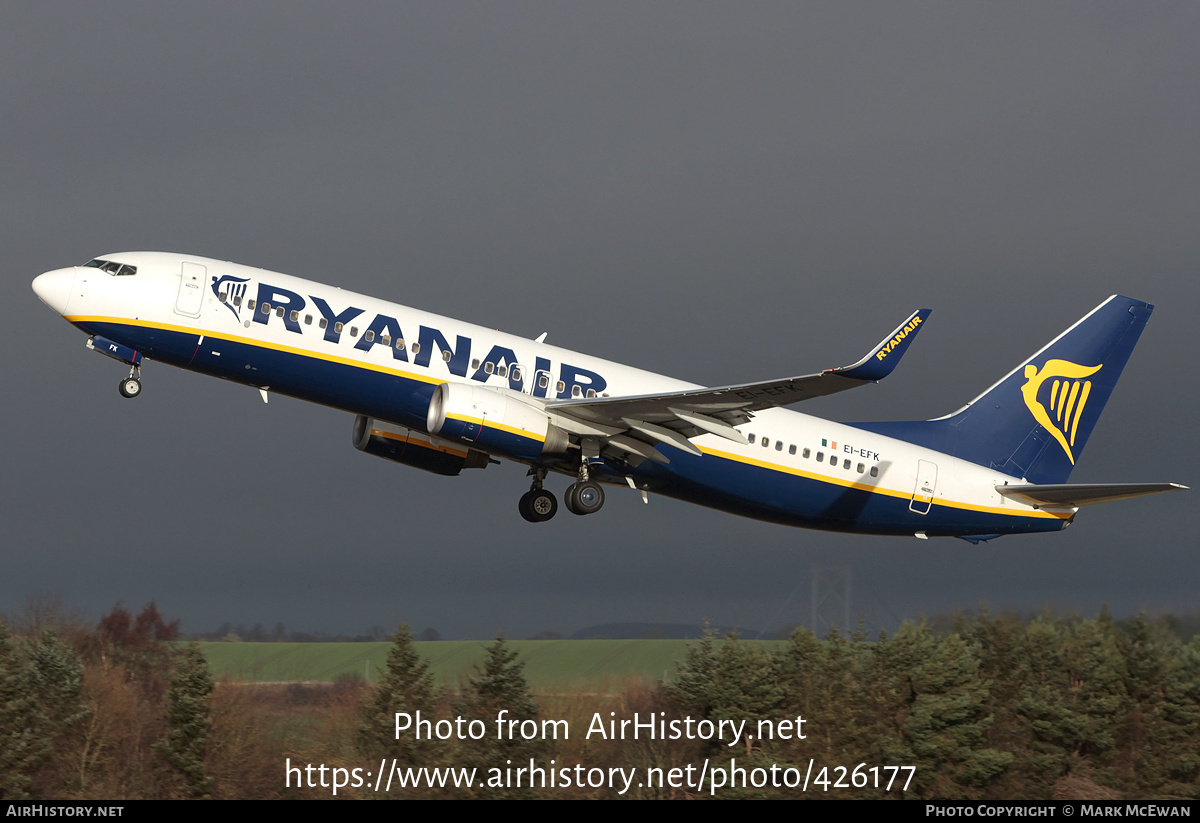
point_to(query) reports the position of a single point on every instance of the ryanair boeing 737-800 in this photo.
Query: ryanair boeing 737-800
(443, 395)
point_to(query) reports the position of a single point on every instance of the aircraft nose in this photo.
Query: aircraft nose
(54, 288)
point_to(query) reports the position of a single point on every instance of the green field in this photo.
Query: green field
(596, 665)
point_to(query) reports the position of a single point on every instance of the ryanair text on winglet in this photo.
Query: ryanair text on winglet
(887, 347)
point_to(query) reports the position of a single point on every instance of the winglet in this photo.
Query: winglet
(879, 363)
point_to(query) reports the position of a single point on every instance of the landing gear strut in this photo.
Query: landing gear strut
(131, 386)
(584, 497)
(537, 505)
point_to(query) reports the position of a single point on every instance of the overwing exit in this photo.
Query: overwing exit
(444, 396)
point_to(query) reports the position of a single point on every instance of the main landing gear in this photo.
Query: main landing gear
(131, 386)
(538, 505)
(584, 496)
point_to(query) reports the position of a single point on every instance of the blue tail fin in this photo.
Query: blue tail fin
(1034, 423)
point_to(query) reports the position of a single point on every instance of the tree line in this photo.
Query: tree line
(993, 707)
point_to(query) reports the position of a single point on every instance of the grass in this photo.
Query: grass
(576, 665)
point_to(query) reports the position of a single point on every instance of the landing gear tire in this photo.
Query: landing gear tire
(537, 505)
(524, 508)
(130, 387)
(584, 498)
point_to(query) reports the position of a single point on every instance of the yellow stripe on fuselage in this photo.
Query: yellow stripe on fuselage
(264, 344)
(851, 484)
(331, 358)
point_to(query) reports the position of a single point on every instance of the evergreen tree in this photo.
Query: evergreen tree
(405, 687)
(940, 713)
(189, 720)
(800, 673)
(1097, 670)
(745, 685)
(22, 746)
(692, 687)
(999, 644)
(56, 684)
(1177, 731)
(1147, 661)
(499, 686)
(1047, 717)
(841, 722)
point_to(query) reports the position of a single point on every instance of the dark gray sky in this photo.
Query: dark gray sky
(719, 192)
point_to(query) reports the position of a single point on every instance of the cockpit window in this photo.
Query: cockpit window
(112, 267)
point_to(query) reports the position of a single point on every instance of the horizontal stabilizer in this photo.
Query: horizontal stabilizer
(1084, 494)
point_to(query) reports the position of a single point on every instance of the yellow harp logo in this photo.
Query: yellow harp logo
(1068, 395)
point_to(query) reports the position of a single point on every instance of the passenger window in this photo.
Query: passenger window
(308, 319)
(543, 381)
(489, 367)
(591, 392)
(833, 459)
(806, 453)
(560, 387)
(223, 296)
(400, 343)
(502, 371)
(279, 311)
(265, 308)
(337, 327)
(237, 300)
(751, 439)
(354, 331)
(874, 471)
(576, 391)
(384, 340)
(516, 374)
(324, 323)
(416, 348)
(861, 468)
(369, 336)
(475, 363)
(250, 304)
(820, 457)
(766, 441)
(295, 315)
(846, 465)
(778, 445)
(792, 449)
(446, 355)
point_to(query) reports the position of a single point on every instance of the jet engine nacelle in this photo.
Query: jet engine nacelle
(413, 448)
(493, 420)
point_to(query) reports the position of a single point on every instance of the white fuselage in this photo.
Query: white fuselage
(380, 359)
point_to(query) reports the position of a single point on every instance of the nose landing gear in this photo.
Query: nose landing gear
(131, 386)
